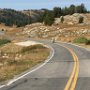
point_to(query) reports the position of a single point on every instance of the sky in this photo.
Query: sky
(38, 4)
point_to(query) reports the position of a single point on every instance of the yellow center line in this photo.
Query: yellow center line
(73, 71)
(76, 75)
(71, 84)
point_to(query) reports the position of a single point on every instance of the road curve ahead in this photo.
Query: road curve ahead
(67, 70)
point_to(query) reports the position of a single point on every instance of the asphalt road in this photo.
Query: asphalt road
(69, 69)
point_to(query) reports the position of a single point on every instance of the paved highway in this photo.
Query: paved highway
(69, 69)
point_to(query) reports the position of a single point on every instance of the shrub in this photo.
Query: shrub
(4, 41)
(62, 19)
(80, 40)
(2, 29)
(88, 42)
(30, 48)
(81, 19)
(11, 62)
(49, 19)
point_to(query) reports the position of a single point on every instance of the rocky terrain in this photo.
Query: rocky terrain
(46, 32)
(66, 31)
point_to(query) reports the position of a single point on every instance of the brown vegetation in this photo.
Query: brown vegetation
(13, 61)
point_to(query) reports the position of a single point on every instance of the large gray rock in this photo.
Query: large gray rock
(73, 19)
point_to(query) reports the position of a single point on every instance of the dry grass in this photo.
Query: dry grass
(11, 66)
(12, 48)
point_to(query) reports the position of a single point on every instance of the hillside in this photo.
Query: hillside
(66, 31)
(12, 17)
(34, 14)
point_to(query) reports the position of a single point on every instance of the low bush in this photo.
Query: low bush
(88, 42)
(80, 40)
(33, 47)
(81, 19)
(62, 19)
(4, 41)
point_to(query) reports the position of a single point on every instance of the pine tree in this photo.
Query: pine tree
(49, 18)
(62, 19)
(72, 9)
(57, 11)
(81, 19)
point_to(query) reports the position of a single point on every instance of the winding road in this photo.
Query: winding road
(68, 69)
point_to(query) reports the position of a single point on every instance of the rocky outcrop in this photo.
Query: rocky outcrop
(53, 32)
(74, 19)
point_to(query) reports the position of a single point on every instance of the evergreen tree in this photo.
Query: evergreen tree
(81, 19)
(57, 11)
(65, 11)
(72, 9)
(81, 9)
(62, 19)
(49, 18)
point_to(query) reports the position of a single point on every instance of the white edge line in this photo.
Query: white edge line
(2, 86)
(75, 45)
(46, 61)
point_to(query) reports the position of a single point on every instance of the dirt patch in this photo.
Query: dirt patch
(27, 43)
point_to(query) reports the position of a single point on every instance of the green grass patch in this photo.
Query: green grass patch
(80, 40)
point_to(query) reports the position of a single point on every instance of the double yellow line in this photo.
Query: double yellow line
(71, 84)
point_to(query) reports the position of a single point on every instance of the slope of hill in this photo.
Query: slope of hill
(62, 31)
(68, 30)
(34, 14)
(11, 17)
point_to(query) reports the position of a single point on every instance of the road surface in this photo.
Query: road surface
(69, 69)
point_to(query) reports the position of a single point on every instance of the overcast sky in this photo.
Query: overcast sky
(38, 4)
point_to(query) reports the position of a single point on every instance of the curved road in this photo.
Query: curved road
(69, 69)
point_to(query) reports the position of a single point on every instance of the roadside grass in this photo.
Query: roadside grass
(18, 59)
(80, 40)
(31, 48)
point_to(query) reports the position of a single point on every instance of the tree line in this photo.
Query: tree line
(49, 15)
(12, 17)
(58, 11)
